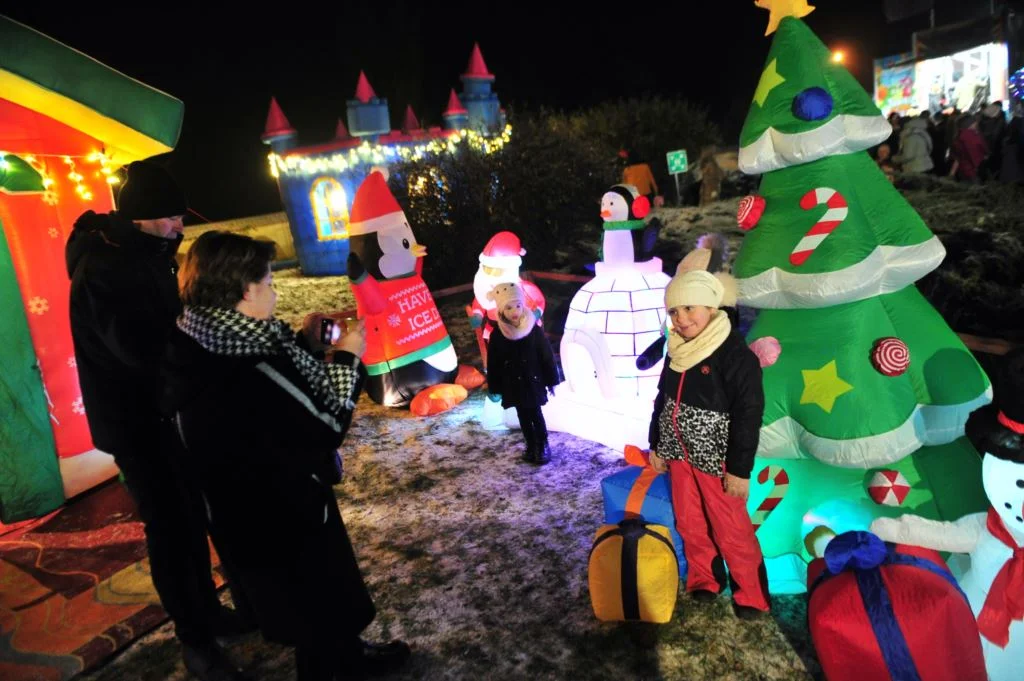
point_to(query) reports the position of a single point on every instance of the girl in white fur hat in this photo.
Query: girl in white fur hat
(521, 368)
(704, 433)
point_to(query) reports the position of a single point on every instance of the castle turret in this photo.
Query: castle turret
(368, 114)
(341, 132)
(482, 104)
(411, 124)
(278, 133)
(456, 117)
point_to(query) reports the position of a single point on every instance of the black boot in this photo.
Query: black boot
(543, 453)
(530, 455)
(374, 659)
(208, 662)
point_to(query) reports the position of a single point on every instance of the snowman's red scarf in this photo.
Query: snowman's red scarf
(1005, 601)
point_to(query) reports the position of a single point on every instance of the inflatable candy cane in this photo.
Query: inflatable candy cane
(780, 477)
(833, 217)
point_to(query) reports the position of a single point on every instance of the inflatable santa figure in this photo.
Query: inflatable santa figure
(407, 344)
(994, 540)
(499, 264)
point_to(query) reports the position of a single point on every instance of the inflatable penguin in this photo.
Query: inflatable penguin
(994, 540)
(627, 239)
(407, 344)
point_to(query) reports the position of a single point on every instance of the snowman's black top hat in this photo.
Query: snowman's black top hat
(1003, 430)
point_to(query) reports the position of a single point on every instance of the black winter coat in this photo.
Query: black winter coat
(721, 405)
(124, 300)
(264, 457)
(521, 370)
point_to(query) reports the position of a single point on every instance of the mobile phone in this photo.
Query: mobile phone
(329, 332)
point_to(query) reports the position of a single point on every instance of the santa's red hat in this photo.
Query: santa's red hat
(374, 206)
(503, 252)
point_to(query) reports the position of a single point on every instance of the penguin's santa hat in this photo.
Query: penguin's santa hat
(1001, 430)
(639, 206)
(374, 206)
(503, 252)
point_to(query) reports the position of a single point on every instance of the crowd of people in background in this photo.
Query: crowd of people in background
(974, 147)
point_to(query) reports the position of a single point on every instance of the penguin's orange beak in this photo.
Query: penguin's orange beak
(606, 213)
(419, 250)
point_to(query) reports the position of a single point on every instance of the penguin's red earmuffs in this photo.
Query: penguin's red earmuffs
(640, 208)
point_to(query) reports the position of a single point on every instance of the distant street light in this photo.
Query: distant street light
(839, 56)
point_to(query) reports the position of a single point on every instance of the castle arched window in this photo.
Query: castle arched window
(330, 208)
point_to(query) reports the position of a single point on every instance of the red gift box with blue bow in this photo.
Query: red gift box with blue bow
(890, 612)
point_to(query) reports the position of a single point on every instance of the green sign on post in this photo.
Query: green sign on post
(677, 162)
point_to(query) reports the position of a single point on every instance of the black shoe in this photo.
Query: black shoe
(703, 596)
(542, 455)
(745, 612)
(227, 623)
(530, 455)
(376, 659)
(210, 663)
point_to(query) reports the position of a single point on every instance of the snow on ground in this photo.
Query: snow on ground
(480, 561)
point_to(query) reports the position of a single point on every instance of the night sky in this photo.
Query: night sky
(225, 66)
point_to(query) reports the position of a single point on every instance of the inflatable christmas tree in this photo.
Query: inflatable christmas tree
(867, 389)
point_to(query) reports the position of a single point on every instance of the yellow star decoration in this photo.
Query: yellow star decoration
(770, 79)
(822, 386)
(783, 8)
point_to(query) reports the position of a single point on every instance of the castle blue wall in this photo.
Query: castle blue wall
(484, 112)
(316, 257)
(368, 119)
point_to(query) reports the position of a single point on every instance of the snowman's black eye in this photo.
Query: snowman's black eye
(1020, 483)
(1008, 505)
(405, 242)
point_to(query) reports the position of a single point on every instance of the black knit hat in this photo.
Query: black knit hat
(150, 193)
(1004, 429)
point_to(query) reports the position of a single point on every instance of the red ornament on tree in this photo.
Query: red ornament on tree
(889, 488)
(750, 211)
(890, 356)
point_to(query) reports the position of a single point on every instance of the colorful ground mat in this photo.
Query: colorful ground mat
(75, 588)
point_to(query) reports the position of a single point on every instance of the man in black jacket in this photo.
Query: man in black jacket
(124, 302)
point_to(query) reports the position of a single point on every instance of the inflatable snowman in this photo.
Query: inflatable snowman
(994, 541)
(611, 321)
(407, 345)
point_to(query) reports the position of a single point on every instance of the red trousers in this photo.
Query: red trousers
(715, 526)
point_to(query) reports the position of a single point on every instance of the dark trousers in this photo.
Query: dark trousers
(172, 511)
(535, 430)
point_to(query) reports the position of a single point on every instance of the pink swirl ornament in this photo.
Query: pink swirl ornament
(890, 356)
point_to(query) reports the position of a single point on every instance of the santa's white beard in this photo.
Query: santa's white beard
(483, 283)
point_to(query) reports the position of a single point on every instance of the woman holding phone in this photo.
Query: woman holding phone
(262, 419)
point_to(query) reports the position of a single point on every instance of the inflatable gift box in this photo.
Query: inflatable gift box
(632, 573)
(890, 612)
(640, 492)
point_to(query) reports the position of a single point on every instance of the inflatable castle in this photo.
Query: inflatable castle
(318, 182)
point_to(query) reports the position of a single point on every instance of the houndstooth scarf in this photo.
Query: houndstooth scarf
(233, 334)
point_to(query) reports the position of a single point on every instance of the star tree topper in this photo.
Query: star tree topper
(783, 8)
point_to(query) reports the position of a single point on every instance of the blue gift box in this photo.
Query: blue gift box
(656, 507)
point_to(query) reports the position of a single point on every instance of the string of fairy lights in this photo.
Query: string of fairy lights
(107, 170)
(375, 154)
